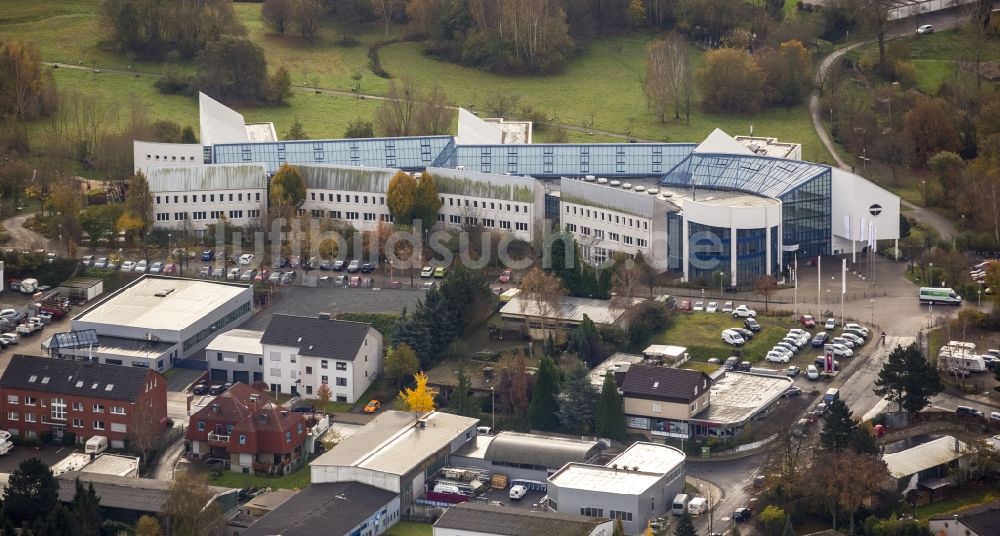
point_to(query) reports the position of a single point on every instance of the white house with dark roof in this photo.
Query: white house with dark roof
(302, 353)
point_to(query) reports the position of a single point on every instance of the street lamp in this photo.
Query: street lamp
(493, 412)
(930, 273)
(980, 295)
(924, 182)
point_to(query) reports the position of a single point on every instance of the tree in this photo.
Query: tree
(190, 507)
(233, 68)
(150, 29)
(296, 131)
(360, 129)
(306, 16)
(766, 286)
(434, 115)
(788, 73)
(908, 379)
(148, 526)
(463, 401)
(401, 363)
(730, 81)
(849, 480)
(426, 202)
(578, 402)
(585, 342)
(400, 197)
(139, 201)
(86, 511)
(418, 399)
(609, 421)
(839, 428)
(276, 15)
(324, 394)
(947, 168)
(931, 128)
(875, 18)
(773, 520)
(669, 83)
(145, 431)
(619, 529)
(541, 290)
(544, 407)
(685, 526)
(514, 385)
(288, 189)
(397, 112)
(31, 492)
(27, 90)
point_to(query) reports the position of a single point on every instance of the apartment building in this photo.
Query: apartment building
(192, 198)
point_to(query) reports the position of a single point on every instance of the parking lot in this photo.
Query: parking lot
(48, 454)
(529, 501)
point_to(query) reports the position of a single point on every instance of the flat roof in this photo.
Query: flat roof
(393, 443)
(649, 457)
(478, 518)
(476, 448)
(666, 350)
(245, 341)
(567, 308)
(323, 509)
(925, 456)
(185, 302)
(717, 197)
(81, 282)
(617, 362)
(113, 464)
(737, 396)
(765, 146)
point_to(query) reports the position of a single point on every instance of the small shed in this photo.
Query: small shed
(81, 289)
(665, 352)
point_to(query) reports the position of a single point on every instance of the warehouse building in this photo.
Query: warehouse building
(525, 456)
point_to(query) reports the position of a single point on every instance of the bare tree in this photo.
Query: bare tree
(397, 113)
(190, 508)
(306, 15)
(875, 15)
(766, 286)
(386, 9)
(434, 115)
(145, 430)
(668, 84)
(501, 104)
(624, 282)
(541, 291)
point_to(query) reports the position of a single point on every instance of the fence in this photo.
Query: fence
(916, 8)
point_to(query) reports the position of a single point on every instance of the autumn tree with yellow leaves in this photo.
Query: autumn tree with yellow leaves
(419, 399)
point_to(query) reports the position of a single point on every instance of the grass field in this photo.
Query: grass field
(700, 333)
(600, 87)
(297, 480)
(956, 504)
(409, 528)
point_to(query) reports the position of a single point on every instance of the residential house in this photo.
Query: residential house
(302, 353)
(476, 519)
(42, 395)
(246, 427)
(235, 356)
(981, 520)
(661, 401)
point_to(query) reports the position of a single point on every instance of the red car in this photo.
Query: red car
(262, 275)
(684, 306)
(807, 321)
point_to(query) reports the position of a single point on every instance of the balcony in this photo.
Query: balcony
(218, 440)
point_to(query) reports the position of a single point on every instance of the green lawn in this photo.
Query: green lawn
(700, 333)
(409, 528)
(297, 480)
(601, 86)
(931, 73)
(961, 502)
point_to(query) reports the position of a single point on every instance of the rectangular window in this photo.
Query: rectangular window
(521, 226)
(341, 382)
(30, 417)
(98, 408)
(77, 406)
(77, 423)
(118, 410)
(341, 365)
(12, 399)
(98, 425)
(325, 380)
(323, 364)
(13, 416)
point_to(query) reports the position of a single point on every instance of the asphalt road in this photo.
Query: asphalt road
(735, 478)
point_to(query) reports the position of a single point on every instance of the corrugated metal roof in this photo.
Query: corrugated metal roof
(488, 185)
(552, 452)
(393, 443)
(347, 178)
(488, 519)
(602, 195)
(207, 177)
(931, 454)
(568, 309)
(237, 340)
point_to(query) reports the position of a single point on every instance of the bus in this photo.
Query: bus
(939, 295)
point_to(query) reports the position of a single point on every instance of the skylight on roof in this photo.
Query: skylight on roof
(79, 384)
(45, 379)
(109, 387)
(94, 386)
(32, 378)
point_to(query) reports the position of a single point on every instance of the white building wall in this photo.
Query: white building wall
(283, 367)
(765, 215)
(324, 474)
(516, 218)
(146, 154)
(196, 211)
(948, 527)
(362, 210)
(367, 365)
(854, 199)
(611, 230)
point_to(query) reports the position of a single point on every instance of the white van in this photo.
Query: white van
(732, 337)
(518, 491)
(680, 504)
(446, 488)
(939, 295)
(697, 506)
(96, 445)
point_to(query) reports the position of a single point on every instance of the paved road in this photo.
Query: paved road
(22, 237)
(735, 478)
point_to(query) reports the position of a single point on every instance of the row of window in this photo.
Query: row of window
(346, 198)
(608, 217)
(172, 158)
(611, 237)
(489, 223)
(493, 205)
(208, 198)
(203, 215)
(77, 423)
(216, 326)
(59, 405)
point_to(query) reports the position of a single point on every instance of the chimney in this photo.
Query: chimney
(421, 423)
(323, 316)
(957, 449)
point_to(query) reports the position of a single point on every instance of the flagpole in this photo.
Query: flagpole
(843, 288)
(819, 282)
(795, 279)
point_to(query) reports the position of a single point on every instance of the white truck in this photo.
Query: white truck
(96, 445)
(29, 285)
(28, 328)
(697, 506)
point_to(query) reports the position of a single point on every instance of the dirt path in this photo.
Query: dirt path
(22, 237)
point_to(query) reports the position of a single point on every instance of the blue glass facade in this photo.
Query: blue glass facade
(709, 251)
(562, 160)
(805, 217)
(675, 244)
(404, 153)
(751, 255)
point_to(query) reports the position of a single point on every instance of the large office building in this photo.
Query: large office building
(725, 209)
(153, 322)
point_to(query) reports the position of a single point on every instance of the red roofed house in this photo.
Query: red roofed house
(249, 429)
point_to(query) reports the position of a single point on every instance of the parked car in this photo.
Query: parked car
(732, 337)
(217, 389)
(372, 406)
(505, 276)
(355, 281)
(842, 341)
(807, 321)
(793, 390)
(862, 331)
(820, 339)
(246, 259)
(304, 409)
(205, 271)
(745, 366)
(685, 305)
(338, 266)
(288, 277)
(262, 275)
(925, 29)
(87, 260)
(793, 371)
(14, 338)
(354, 266)
(170, 268)
(775, 356)
(747, 334)
(274, 278)
(156, 267)
(743, 311)
(200, 389)
(995, 416)
(340, 281)
(820, 362)
(751, 324)
(248, 274)
(141, 266)
(792, 349)
(831, 324)
(208, 255)
(234, 274)
(281, 262)
(741, 514)
(712, 307)
(727, 307)
(839, 350)
(326, 265)
(853, 337)
(366, 268)
(440, 272)
(812, 372)
(698, 306)
(101, 263)
(967, 410)
(429, 285)
(128, 266)
(732, 362)
(218, 273)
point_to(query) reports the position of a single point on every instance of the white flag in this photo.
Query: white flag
(847, 227)
(871, 235)
(843, 276)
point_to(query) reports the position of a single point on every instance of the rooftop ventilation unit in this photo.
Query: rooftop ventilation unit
(590, 178)
(652, 191)
(163, 293)
(615, 184)
(627, 186)
(640, 189)
(602, 180)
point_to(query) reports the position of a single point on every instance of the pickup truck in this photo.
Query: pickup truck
(28, 328)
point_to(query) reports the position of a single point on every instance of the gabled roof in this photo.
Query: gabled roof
(64, 376)
(232, 406)
(269, 419)
(489, 519)
(981, 520)
(925, 456)
(664, 383)
(315, 337)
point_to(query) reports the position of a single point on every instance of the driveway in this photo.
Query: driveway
(24, 238)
